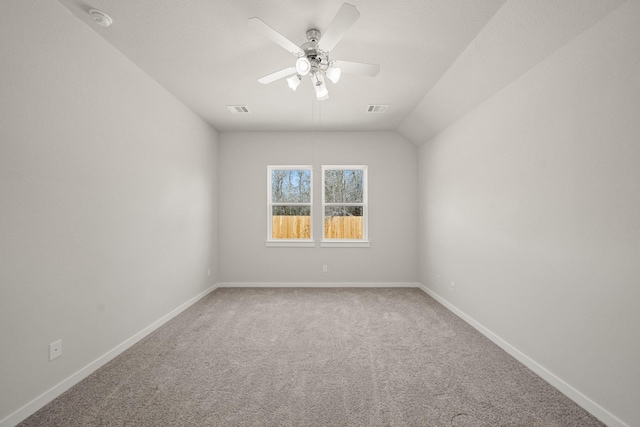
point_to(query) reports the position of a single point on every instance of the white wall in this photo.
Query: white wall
(243, 161)
(107, 193)
(531, 205)
(518, 36)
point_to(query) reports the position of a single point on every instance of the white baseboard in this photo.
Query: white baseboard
(596, 410)
(318, 285)
(46, 397)
(589, 405)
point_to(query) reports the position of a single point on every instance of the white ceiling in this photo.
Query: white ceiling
(204, 53)
(438, 58)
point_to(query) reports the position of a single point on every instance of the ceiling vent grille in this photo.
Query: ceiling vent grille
(377, 108)
(238, 109)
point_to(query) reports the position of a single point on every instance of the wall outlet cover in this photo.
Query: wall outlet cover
(55, 350)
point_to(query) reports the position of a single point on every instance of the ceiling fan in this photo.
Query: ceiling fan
(313, 56)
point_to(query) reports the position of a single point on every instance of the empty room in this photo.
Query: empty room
(319, 213)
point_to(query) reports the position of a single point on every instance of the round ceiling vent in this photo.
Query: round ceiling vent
(100, 17)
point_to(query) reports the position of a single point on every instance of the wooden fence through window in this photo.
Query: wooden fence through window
(343, 227)
(299, 227)
(291, 227)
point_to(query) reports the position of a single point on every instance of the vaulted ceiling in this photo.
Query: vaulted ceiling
(438, 58)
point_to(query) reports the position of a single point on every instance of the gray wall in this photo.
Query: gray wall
(107, 191)
(392, 169)
(109, 207)
(531, 205)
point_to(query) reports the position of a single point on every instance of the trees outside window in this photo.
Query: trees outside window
(344, 206)
(289, 200)
(344, 203)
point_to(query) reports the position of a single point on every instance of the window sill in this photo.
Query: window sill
(290, 244)
(345, 244)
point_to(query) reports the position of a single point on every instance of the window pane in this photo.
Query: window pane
(342, 211)
(291, 186)
(343, 185)
(291, 210)
(343, 222)
(291, 222)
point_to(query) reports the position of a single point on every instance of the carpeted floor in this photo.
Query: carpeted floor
(314, 357)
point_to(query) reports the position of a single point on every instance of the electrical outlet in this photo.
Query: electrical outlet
(453, 287)
(325, 268)
(209, 272)
(55, 350)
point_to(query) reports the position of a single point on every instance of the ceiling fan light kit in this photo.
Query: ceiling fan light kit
(313, 56)
(303, 66)
(294, 81)
(319, 86)
(333, 74)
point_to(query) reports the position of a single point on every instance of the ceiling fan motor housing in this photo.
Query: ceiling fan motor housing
(313, 35)
(317, 58)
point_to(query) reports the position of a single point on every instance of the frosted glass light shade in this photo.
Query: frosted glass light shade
(333, 74)
(303, 66)
(320, 87)
(294, 82)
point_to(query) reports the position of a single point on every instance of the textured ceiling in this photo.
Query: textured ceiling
(204, 52)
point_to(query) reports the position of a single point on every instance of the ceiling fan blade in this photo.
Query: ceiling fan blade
(277, 75)
(259, 25)
(344, 19)
(357, 68)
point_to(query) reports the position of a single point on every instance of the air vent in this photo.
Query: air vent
(238, 109)
(377, 108)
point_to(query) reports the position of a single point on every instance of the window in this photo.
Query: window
(344, 206)
(289, 206)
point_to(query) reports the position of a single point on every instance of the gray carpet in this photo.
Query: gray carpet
(313, 357)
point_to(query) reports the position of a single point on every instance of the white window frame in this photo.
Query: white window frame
(348, 243)
(271, 242)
